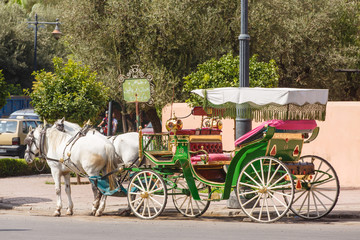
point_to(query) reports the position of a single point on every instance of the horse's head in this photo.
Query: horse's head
(59, 125)
(32, 142)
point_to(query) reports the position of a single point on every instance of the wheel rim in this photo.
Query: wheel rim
(185, 203)
(318, 195)
(265, 189)
(147, 194)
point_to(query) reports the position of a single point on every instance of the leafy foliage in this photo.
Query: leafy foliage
(225, 73)
(309, 40)
(72, 91)
(4, 93)
(17, 40)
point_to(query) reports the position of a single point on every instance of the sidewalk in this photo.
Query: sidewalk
(37, 194)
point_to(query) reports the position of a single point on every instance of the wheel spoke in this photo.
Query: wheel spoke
(321, 183)
(273, 175)
(324, 195)
(155, 184)
(248, 185)
(268, 176)
(154, 200)
(280, 186)
(257, 174)
(246, 193)
(273, 196)
(252, 179)
(246, 203)
(156, 190)
(278, 180)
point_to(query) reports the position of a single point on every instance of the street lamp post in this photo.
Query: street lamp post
(243, 125)
(56, 33)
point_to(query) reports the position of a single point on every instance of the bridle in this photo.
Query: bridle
(30, 140)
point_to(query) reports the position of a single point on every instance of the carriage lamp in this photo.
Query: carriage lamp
(56, 33)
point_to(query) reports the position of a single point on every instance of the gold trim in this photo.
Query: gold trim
(289, 136)
(207, 138)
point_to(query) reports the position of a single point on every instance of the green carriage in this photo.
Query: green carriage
(266, 170)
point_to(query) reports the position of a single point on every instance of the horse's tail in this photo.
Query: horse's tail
(111, 165)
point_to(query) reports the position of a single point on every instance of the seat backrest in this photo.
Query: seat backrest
(209, 143)
(289, 126)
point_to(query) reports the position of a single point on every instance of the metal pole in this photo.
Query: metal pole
(242, 125)
(137, 114)
(56, 34)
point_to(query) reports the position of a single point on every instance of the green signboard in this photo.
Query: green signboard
(136, 88)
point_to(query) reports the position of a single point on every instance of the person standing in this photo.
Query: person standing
(114, 124)
(104, 120)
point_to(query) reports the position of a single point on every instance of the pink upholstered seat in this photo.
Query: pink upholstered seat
(290, 125)
(213, 157)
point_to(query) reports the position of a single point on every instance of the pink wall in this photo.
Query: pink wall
(338, 140)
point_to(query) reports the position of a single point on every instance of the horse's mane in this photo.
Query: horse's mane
(71, 128)
(67, 127)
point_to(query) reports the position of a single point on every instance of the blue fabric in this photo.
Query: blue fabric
(104, 187)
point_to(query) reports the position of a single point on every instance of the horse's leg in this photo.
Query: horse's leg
(97, 196)
(57, 180)
(68, 193)
(102, 206)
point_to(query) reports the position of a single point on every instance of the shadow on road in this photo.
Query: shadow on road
(19, 201)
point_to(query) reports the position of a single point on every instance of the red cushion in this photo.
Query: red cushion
(210, 147)
(213, 157)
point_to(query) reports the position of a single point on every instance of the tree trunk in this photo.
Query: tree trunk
(154, 119)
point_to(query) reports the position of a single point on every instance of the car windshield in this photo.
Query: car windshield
(8, 126)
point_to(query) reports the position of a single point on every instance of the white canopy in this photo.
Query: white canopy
(264, 96)
(266, 103)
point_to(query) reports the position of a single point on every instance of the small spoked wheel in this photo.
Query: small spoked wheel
(265, 189)
(319, 191)
(147, 194)
(185, 203)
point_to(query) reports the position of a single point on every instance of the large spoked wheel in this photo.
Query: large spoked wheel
(265, 189)
(185, 203)
(147, 195)
(319, 192)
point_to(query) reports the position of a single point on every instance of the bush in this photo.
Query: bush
(18, 167)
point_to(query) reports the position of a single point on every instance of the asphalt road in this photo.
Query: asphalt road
(20, 225)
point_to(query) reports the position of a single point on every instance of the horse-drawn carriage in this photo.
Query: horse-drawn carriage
(266, 170)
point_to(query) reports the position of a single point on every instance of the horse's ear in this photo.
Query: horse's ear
(45, 122)
(62, 120)
(88, 122)
(30, 128)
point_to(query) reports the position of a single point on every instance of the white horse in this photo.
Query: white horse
(65, 152)
(127, 147)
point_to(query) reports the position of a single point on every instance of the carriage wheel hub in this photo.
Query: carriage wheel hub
(263, 190)
(144, 195)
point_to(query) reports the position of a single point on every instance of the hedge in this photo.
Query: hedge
(18, 167)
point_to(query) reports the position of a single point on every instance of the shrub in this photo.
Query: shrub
(18, 167)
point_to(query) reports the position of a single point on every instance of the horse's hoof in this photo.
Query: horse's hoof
(98, 214)
(57, 214)
(69, 212)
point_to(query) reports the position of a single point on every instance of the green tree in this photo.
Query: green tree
(71, 91)
(225, 73)
(166, 38)
(309, 40)
(17, 41)
(4, 93)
